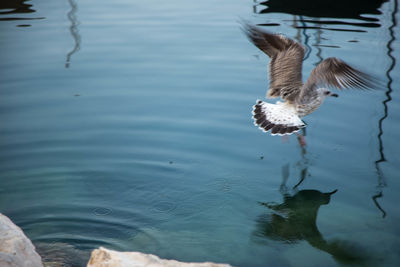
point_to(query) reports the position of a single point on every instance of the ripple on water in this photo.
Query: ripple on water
(82, 226)
(102, 211)
(146, 141)
(163, 206)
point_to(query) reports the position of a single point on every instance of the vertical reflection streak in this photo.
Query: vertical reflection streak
(381, 179)
(74, 30)
(318, 42)
(306, 39)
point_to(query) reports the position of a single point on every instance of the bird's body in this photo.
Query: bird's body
(309, 104)
(285, 81)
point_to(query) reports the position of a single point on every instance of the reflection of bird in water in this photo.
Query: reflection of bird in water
(286, 82)
(295, 220)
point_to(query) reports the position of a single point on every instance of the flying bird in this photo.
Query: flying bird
(285, 81)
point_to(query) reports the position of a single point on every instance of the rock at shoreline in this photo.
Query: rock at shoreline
(16, 250)
(108, 258)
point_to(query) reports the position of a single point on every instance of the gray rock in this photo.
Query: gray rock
(16, 250)
(109, 258)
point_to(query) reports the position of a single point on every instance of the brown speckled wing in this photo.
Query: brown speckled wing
(286, 61)
(333, 72)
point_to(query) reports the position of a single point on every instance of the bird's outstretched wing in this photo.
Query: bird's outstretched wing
(286, 61)
(333, 72)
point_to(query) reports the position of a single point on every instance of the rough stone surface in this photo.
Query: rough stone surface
(16, 250)
(108, 258)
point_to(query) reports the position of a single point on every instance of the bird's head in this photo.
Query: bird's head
(325, 93)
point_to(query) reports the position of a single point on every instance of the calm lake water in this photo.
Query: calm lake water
(127, 124)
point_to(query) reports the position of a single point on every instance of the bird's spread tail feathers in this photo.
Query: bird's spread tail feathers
(280, 118)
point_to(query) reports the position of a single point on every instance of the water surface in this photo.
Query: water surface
(127, 124)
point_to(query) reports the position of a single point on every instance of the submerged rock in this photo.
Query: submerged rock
(16, 250)
(108, 258)
(60, 254)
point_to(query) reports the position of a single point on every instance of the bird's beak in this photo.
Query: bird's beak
(333, 192)
(335, 95)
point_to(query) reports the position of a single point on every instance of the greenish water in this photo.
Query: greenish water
(127, 124)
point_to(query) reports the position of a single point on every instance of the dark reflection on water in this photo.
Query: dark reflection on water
(11, 7)
(341, 22)
(15, 6)
(329, 29)
(74, 31)
(295, 219)
(326, 9)
(314, 10)
(381, 178)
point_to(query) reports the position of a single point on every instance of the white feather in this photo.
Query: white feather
(281, 114)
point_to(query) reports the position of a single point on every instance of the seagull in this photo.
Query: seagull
(285, 81)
